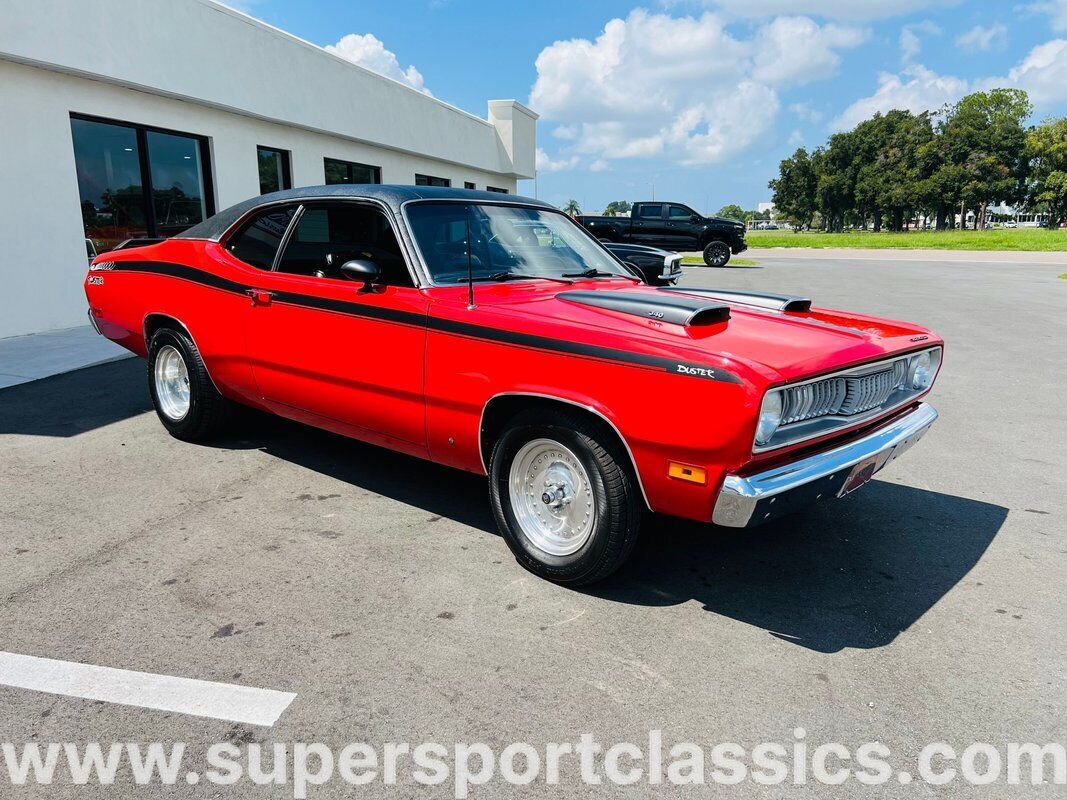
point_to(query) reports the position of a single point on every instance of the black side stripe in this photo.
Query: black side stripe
(530, 340)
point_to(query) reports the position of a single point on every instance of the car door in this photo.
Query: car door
(681, 230)
(338, 352)
(647, 224)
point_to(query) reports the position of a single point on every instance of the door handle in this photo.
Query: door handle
(259, 297)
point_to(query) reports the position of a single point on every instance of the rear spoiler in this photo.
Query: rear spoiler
(143, 241)
(767, 300)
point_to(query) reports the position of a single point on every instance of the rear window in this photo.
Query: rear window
(258, 241)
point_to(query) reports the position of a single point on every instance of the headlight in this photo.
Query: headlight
(922, 368)
(770, 417)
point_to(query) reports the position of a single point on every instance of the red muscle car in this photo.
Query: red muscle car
(493, 334)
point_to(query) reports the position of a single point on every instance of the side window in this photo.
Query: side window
(653, 211)
(329, 234)
(680, 211)
(257, 242)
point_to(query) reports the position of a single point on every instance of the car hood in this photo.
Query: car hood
(752, 343)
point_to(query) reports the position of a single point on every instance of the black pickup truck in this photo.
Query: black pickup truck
(672, 226)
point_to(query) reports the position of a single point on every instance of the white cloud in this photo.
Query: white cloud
(796, 139)
(685, 89)
(600, 165)
(805, 112)
(915, 89)
(1043, 74)
(1056, 9)
(831, 9)
(979, 39)
(545, 163)
(368, 51)
(797, 50)
(910, 43)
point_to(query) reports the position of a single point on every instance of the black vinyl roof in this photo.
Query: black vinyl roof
(392, 195)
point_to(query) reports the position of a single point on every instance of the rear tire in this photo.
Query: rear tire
(717, 254)
(564, 497)
(185, 399)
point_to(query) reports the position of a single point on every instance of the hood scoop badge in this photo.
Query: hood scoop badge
(767, 300)
(677, 309)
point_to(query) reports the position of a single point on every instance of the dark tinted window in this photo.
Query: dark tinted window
(430, 180)
(651, 210)
(273, 170)
(258, 241)
(338, 171)
(329, 234)
(494, 189)
(680, 211)
(177, 182)
(468, 185)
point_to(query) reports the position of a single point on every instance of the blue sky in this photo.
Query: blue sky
(701, 98)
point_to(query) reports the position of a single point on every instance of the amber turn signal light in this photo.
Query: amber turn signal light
(687, 472)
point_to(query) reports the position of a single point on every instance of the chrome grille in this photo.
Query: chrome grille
(841, 396)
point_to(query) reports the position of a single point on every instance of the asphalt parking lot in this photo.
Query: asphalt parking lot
(928, 607)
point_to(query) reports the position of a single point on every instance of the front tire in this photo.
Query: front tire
(185, 399)
(564, 497)
(717, 254)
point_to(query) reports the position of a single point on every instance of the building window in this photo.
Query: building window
(430, 180)
(349, 172)
(494, 189)
(274, 172)
(469, 185)
(136, 181)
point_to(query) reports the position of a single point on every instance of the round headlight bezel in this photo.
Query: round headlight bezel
(922, 369)
(770, 417)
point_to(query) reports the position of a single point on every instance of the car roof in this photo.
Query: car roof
(392, 195)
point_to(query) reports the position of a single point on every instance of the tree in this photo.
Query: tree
(1046, 146)
(732, 211)
(795, 187)
(572, 208)
(616, 207)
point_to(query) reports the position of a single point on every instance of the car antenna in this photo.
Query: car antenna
(470, 267)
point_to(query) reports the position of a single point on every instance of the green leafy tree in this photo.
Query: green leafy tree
(616, 207)
(1046, 146)
(731, 211)
(795, 188)
(572, 208)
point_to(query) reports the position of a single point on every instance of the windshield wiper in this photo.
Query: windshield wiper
(520, 276)
(595, 273)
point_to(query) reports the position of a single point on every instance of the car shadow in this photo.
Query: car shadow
(849, 573)
(75, 402)
(854, 572)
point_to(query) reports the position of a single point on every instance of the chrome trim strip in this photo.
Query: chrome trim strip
(739, 496)
(629, 452)
(856, 419)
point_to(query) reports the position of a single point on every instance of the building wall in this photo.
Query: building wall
(195, 67)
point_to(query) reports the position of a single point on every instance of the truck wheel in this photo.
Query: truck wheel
(717, 254)
(186, 401)
(563, 497)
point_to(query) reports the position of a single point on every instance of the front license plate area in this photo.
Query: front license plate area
(860, 474)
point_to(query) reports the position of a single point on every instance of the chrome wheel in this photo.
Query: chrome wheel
(172, 383)
(552, 497)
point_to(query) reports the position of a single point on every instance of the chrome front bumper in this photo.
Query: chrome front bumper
(754, 499)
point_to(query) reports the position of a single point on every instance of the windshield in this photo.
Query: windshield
(504, 240)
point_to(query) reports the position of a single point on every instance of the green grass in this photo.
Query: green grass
(998, 239)
(698, 261)
(1064, 276)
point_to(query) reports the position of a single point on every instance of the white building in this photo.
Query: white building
(123, 118)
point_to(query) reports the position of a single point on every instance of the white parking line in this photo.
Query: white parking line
(145, 690)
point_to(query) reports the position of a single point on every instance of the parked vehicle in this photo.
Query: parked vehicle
(655, 266)
(672, 226)
(494, 335)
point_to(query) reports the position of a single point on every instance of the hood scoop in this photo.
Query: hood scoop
(677, 309)
(772, 302)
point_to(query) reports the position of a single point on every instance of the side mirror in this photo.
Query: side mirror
(359, 269)
(694, 218)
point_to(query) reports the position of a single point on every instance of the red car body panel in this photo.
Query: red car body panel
(415, 369)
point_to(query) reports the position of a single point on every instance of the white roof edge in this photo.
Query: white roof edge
(521, 106)
(266, 26)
